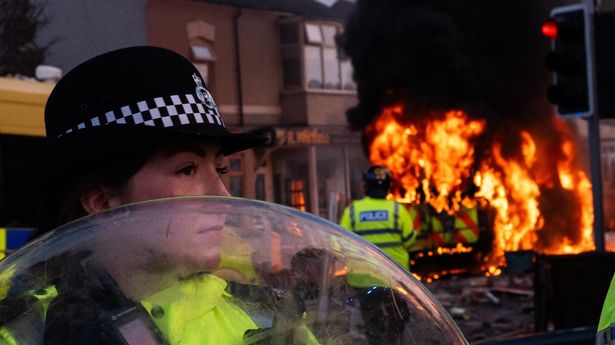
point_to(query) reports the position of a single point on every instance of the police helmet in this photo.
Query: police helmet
(377, 180)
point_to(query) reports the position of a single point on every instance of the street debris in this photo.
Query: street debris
(488, 308)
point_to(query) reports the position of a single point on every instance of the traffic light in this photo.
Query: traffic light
(604, 51)
(571, 60)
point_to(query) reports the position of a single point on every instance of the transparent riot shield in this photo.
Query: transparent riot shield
(212, 270)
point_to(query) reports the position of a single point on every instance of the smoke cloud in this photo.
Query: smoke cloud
(483, 56)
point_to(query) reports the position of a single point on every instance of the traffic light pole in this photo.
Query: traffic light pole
(593, 129)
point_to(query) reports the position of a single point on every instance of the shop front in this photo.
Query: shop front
(314, 169)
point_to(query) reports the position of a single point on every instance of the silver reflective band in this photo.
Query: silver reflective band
(606, 336)
(167, 111)
(28, 328)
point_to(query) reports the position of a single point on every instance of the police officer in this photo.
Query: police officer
(389, 226)
(385, 223)
(129, 125)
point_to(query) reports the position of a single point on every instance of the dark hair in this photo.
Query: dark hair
(60, 203)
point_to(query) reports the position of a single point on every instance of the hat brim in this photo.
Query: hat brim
(230, 142)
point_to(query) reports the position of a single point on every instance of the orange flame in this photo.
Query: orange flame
(439, 156)
(433, 162)
(512, 192)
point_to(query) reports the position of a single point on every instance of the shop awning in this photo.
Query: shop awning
(22, 104)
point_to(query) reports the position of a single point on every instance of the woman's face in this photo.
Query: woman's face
(187, 243)
(189, 169)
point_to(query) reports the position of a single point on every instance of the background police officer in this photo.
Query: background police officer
(385, 223)
(389, 226)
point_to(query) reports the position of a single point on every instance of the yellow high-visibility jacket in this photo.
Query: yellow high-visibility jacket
(464, 228)
(193, 311)
(606, 325)
(384, 223)
(198, 311)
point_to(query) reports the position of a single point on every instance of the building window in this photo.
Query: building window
(313, 67)
(346, 74)
(313, 33)
(235, 165)
(297, 193)
(203, 58)
(235, 176)
(310, 56)
(291, 178)
(201, 36)
(290, 39)
(203, 52)
(259, 186)
(234, 187)
(323, 67)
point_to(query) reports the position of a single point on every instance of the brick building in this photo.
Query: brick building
(273, 66)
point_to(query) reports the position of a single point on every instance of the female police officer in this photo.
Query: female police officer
(131, 125)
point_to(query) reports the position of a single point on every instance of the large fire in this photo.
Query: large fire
(434, 162)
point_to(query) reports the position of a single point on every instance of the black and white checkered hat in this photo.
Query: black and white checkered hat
(129, 98)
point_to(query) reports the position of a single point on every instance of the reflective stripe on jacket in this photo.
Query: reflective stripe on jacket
(459, 228)
(28, 328)
(385, 223)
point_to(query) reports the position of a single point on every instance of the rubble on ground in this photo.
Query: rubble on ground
(487, 309)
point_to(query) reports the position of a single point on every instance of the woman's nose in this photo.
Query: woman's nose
(218, 188)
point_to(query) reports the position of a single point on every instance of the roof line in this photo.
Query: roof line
(301, 7)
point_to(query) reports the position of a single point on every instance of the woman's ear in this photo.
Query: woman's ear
(97, 199)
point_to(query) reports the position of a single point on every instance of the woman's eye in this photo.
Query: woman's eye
(222, 170)
(188, 170)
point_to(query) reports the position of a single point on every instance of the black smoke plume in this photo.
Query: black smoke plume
(482, 56)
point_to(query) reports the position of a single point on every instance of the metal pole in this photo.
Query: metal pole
(238, 65)
(593, 133)
(347, 191)
(593, 128)
(313, 176)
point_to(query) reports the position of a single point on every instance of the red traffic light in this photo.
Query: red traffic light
(549, 29)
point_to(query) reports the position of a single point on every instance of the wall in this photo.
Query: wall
(261, 75)
(317, 108)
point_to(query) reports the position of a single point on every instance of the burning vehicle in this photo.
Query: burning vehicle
(497, 204)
